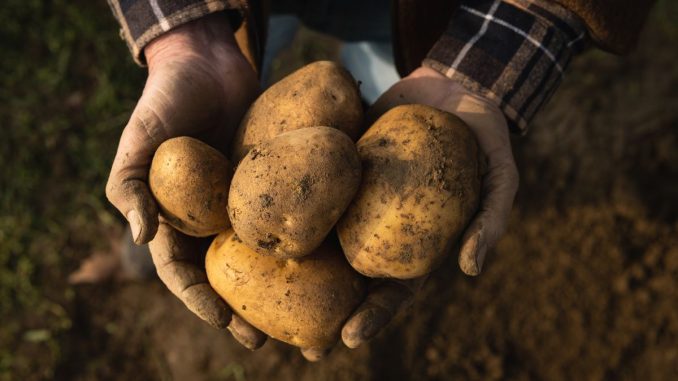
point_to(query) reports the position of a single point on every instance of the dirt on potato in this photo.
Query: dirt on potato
(584, 285)
(420, 188)
(279, 204)
(303, 301)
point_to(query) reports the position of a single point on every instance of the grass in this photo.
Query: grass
(67, 85)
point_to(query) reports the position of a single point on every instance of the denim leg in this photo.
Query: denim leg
(281, 31)
(363, 25)
(372, 64)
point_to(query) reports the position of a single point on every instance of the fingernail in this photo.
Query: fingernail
(246, 341)
(352, 339)
(314, 354)
(468, 260)
(135, 224)
(242, 340)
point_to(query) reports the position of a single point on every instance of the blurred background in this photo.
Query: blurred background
(583, 286)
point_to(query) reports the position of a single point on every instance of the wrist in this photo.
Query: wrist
(449, 95)
(209, 38)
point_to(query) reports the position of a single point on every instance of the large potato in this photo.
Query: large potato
(303, 302)
(319, 94)
(420, 188)
(190, 181)
(288, 192)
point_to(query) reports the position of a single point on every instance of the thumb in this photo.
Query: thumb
(384, 299)
(134, 200)
(500, 185)
(127, 187)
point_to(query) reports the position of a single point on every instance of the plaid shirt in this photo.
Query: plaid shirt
(143, 20)
(513, 52)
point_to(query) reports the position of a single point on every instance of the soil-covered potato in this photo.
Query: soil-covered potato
(190, 181)
(420, 188)
(319, 94)
(303, 301)
(288, 192)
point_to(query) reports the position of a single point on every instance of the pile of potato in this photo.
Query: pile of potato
(399, 199)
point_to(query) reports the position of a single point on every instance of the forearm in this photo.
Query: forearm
(142, 21)
(208, 38)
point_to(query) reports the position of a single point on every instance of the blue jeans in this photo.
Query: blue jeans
(365, 29)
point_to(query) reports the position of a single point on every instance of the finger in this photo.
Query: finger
(175, 257)
(383, 301)
(250, 337)
(315, 354)
(127, 189)
(500, 185)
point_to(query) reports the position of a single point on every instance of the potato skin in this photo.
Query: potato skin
(319, 94)
(288, 192)
(303, 302)
(421, 185)
(190, 181)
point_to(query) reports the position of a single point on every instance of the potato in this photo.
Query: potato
(288, 192)
(319, 94)
(190, 181)
(303, 302)
(420, 188)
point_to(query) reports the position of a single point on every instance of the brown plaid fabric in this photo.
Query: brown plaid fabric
(143, 20)
(513, 52)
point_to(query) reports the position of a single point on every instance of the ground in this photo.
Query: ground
(583, 286)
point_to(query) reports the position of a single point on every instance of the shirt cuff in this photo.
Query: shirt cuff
(513, 52)
(143, 20)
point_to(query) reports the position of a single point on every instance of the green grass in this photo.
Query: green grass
(67, 85)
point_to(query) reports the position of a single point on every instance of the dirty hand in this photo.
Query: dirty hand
(199, 84)
(385, 297)
(499, 185)
(500, 182)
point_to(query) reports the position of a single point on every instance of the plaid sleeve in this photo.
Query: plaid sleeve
(143, 20)
(513, 52)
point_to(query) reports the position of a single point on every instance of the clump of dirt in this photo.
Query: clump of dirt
(304, 188)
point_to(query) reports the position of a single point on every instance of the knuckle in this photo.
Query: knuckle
(190, 289)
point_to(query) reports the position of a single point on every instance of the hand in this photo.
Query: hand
(426, 86)
(385, 298)
(500, 182)
(199, 84)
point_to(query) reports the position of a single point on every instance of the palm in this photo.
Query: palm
(425, 86)
(192, 97)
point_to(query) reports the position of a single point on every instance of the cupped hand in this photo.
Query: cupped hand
(500, 181)
(499, 186)
(199, 84)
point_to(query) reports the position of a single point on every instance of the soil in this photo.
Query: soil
(584, 285)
